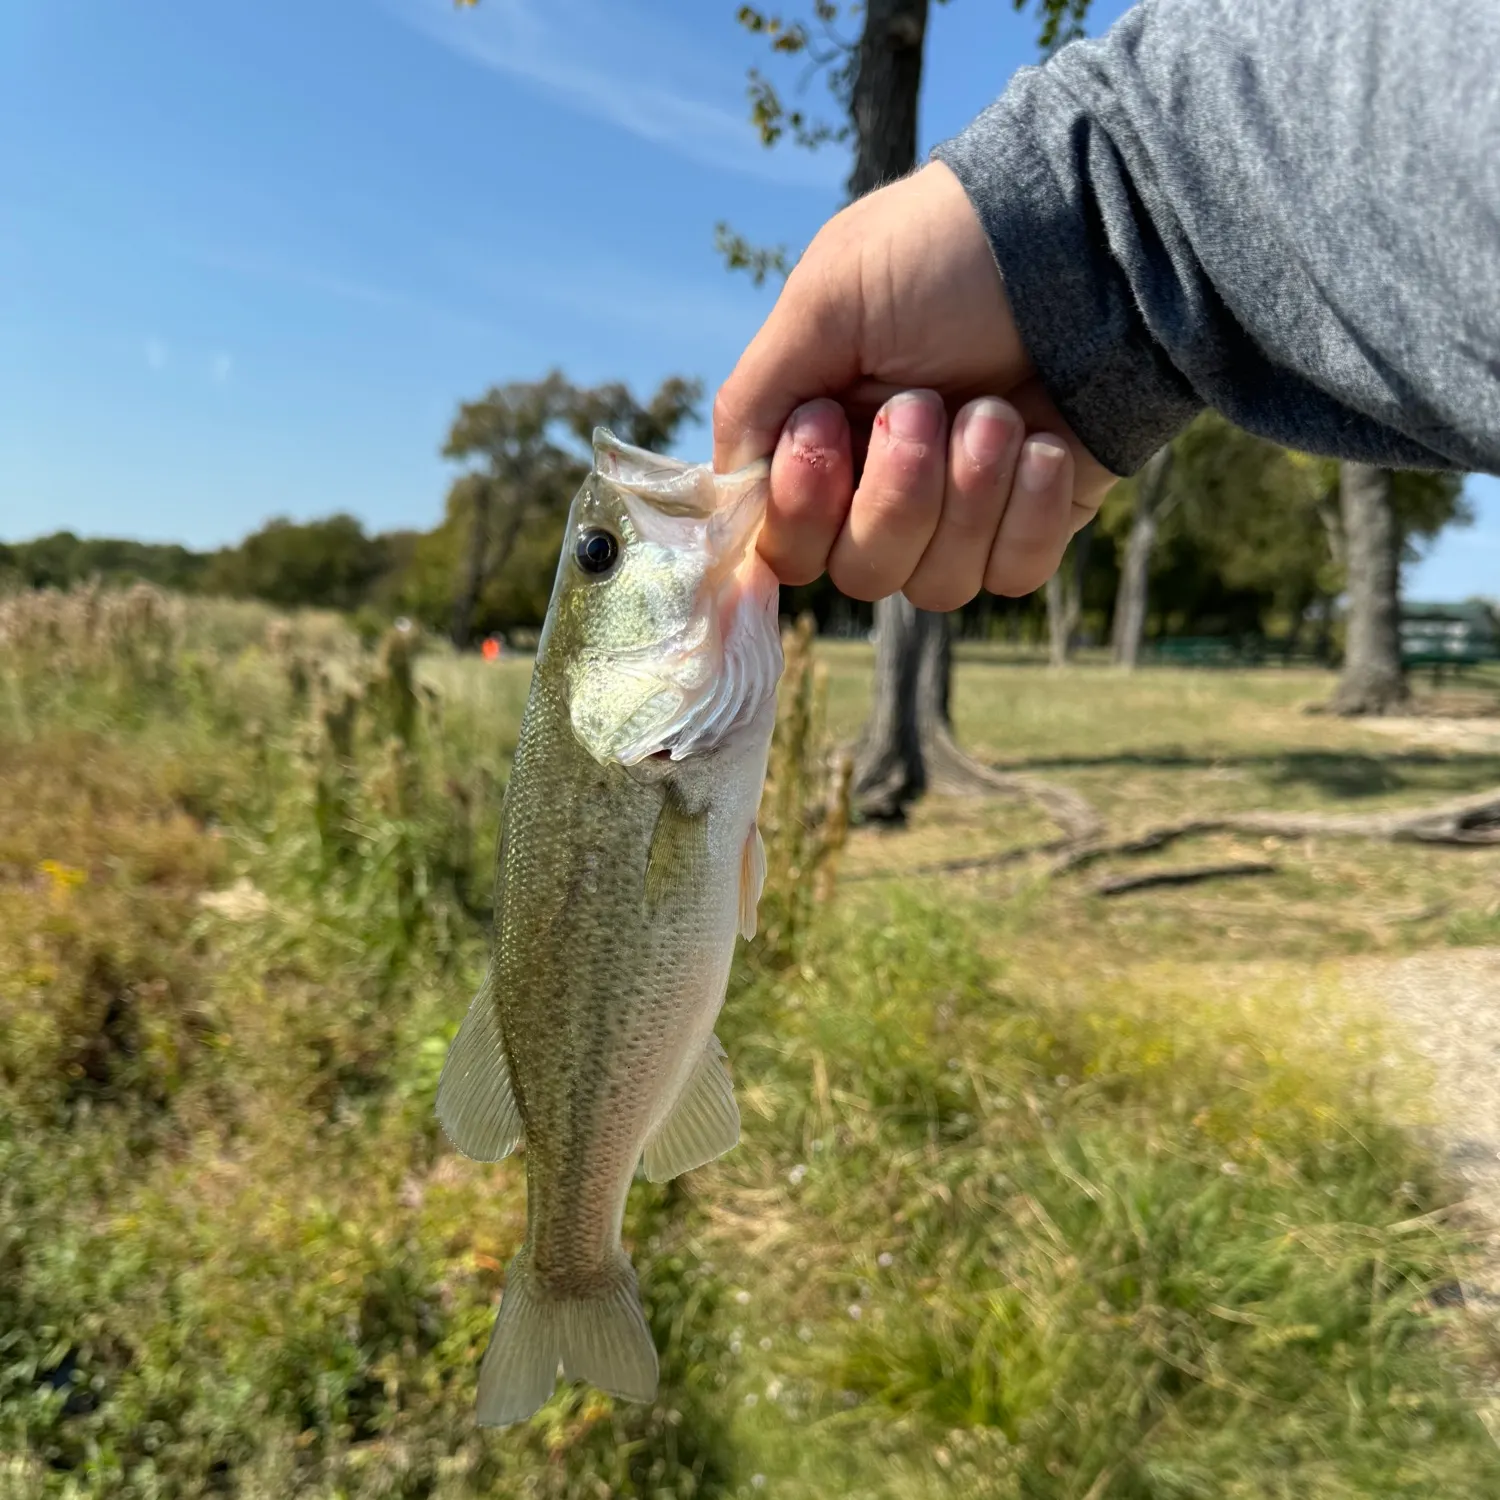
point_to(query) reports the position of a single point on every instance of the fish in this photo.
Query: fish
(629, 860)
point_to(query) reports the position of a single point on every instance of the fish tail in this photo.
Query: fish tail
(602, 1339)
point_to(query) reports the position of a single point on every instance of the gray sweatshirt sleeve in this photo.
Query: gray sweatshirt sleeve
(1285, 209)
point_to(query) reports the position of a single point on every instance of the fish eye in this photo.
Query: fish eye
(596, 550)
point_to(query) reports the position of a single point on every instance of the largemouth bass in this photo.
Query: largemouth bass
(629, 859)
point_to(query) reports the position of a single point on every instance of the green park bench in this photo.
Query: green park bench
(1203, 651)
(1449, 635)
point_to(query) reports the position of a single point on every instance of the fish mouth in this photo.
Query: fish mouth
(670, 485)
(733, 505)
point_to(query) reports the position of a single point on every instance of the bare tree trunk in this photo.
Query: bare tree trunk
(889, 770)
(887, 84)
(1323, 637)
(1065, 598)
(1373, 680)
(1062, 617)
(474, 567)
(1135, 573)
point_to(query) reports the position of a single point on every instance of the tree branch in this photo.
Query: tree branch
(1472, 821)
(1117, 885)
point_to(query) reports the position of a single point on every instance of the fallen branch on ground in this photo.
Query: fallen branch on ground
(1469, 821)
(1117, 885)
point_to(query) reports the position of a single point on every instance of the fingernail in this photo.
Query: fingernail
(813, 425)
(985, 431)
(914, 417)
(1040, 461)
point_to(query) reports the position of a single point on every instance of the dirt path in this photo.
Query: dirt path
(1449, 1000)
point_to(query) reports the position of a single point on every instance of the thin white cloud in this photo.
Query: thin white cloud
(626, 69)
(276, 268)
(156, 354)
(221, 367)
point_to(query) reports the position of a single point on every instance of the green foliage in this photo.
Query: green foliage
(329, 563)
(1426, 503)
(804, 814)
(1250, 533)
(490, 564)
(825, 42)
(64, 561)
(759, 261)
(1124, 1247)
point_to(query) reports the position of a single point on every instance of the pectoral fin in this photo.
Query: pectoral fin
(476, 1104)
(752, 879)
(703, 1125)
(678, 856)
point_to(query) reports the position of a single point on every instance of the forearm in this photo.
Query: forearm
(1285, 209)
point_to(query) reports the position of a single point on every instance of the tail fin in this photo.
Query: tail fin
(603, 1340)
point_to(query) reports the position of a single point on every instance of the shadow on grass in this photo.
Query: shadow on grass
(1339, 774)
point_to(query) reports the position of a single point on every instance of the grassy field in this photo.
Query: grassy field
(1041, 1196)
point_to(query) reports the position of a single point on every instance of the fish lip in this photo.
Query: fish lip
(669, 485)
(675, 487)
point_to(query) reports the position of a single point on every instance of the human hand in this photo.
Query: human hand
(892, 344)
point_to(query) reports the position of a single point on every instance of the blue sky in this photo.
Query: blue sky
(253, 254)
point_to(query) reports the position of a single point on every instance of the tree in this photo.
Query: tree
(1064, 596)
(1246, 531)
(1373, 680)
(62, 560)
(528, 444)
(510, 434)
(1221, 531)
(1153, 502)
(329, 564)
(907, 744)
(1383, 515)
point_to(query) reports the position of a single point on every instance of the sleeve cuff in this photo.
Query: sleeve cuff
(1034, 168)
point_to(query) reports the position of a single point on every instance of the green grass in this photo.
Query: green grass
(1040, 1196)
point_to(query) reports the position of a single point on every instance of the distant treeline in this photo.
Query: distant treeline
(1246, 540)
(330, 564)
(335, 564)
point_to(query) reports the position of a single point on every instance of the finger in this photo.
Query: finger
(1034, 532)
(807, 347)
(895, 510)
(1091, 480)
(982, 456)
(812, 483)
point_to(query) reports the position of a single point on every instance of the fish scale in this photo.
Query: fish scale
(629, 858)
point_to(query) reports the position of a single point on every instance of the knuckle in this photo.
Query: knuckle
(971, 519)
(795, 565)
(897, 506)
(1018, 574)
(938, 595)
(858, 580)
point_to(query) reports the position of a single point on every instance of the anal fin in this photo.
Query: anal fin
(703, 1124)
(752, 880)
(476, 1104)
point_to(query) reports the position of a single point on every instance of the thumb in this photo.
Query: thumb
(809, 346)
